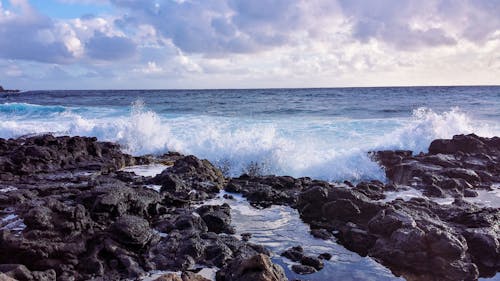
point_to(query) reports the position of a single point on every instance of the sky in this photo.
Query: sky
(171, 44)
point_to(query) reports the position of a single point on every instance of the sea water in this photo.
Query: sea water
(320, 133)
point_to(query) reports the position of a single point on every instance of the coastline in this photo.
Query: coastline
(75, 215)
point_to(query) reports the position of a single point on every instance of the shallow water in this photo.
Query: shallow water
(280, 227)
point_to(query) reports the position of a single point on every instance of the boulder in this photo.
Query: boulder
(256, 268)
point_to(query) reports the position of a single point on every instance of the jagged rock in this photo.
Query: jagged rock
(132, 231)
(325, 256)
(217, 218)
(190, 276)
(312, 261)
(294, 254)
(256, 268)
(169, 277)
(303, 269)
(190, 174)
(78, 219)
(4, 277)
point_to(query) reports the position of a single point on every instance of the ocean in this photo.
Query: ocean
(320, 133)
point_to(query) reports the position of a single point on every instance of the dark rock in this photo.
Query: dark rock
(16, 271)
(325, 256)
(312, 261)
(190, 276)
(246, 236)
(303, 269)
(256, 268)
(343, 209)
(190, 174)
(294, 254)
(169, 277)
(464, 143)
(470, 193)
(321, 233)
(131, 230)
(4, 277)
(217, 218)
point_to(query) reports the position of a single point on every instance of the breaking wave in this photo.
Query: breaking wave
(329, 149)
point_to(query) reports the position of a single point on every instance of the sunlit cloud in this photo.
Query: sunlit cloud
(237, 43)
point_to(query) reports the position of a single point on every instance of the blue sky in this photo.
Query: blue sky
(61, 9)
(92, 44)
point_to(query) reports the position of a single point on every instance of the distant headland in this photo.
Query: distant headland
(2, 90)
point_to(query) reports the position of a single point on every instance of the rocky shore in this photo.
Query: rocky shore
(7, 91)
(68, 212)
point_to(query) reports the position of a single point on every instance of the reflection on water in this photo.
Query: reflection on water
(280, 227)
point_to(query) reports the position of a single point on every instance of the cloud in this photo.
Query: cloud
(239, 42)
(31, 36)
(215, 27)
(110, 48)
(414, 24)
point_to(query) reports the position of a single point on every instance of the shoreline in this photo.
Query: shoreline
(74, 215)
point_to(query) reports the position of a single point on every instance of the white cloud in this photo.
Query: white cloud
(281, 43)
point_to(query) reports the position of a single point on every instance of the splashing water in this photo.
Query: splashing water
(315, 145)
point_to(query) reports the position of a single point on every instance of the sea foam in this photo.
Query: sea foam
(324, 148)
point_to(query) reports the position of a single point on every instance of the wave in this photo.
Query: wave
(35, 110)
(331, 149)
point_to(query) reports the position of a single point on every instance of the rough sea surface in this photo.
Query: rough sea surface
(321, 133)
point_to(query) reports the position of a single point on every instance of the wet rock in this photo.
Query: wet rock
(294, 254)
(217, 218)
(451, 168)
(312, 261)
(246, 236)
(16, 271)
(267, 190)
(132, 231)
(484, 246)
(46, 153)
(303, 269)
(81, 219)
(459, 173)
(4, 277)
(190, 174)
(465, 144)
(470, 193)
(325, 256)
(191, 276)
(256, 268)
(169, 277)
(373, 189)
(340, 209)
(321, 233)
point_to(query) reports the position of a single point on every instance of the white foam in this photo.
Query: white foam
(426, 125)
(146, 170)
(8, 188)
(206, 272)
(13, 223)
(154, 187)
(409, 193)
(487, 198)
(319, 147)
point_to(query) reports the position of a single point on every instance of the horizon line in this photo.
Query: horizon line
(258, 88)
